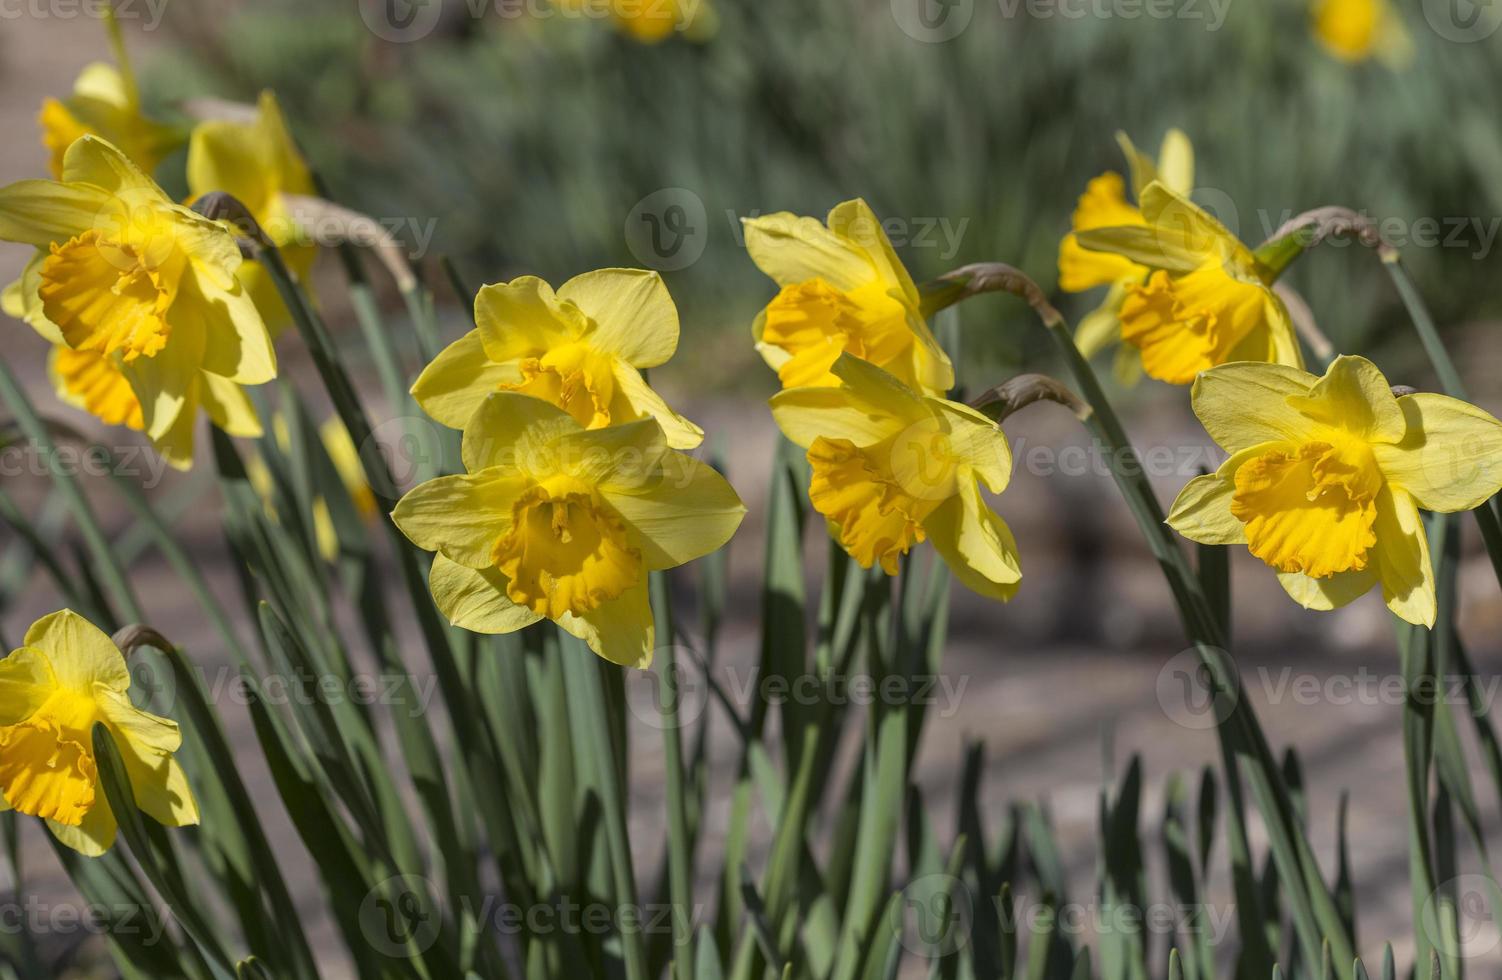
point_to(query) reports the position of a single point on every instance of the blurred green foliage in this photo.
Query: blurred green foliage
(531, 139)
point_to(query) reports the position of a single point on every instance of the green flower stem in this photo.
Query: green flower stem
(1316, 915)
(583, 672)
(680, 844)
(106, 565)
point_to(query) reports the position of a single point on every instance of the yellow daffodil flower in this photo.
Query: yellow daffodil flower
(147, 288)
(650, 21)
(582, 348)
(843, 289)
(1327, 476)
(105, 103)
(555, 521)
(892, 468)
(1206, 301)
(1104, 205)
(1356, 30)
(257, 163)
(66, 677)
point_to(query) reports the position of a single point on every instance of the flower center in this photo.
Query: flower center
(105, 298)
(565, 554)
(815, 323)
(1187, 324)
(1311, 509)
(47, 761)
(876, 511)
(570, 377)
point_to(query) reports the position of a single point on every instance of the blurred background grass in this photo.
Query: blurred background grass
(531, 139)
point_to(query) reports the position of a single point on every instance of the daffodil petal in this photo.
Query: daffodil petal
(1244, 404)
(635, 318)
(687, 511)
(230, 407)
(176, 444)
(979, 442)
(618, 456)
(1355, 396)
(95, 160)
(1101, 327)
(1325, 594)
(458, 379)
(237, 344)
(80, 653)
(620, 630)
(510, 429)
(475, 599)
(854, 221)
(642, 401)
(26, 681)
(1176, 162)
(146, 744)
(1403, 564)
(1142, 246)
(95, 836)
(167, 383)
(524, 316)
(865, 411)
(44, 212)
(793, 250)
(1451, 457)
(1182, 224)
(460, 517)
(976, 544)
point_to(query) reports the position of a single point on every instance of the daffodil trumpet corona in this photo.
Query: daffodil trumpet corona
(842, 290)
(1206, 300)
(1105, 204)
(66, 677)
(139, 290)
(556, 521)
(1327, 476)
(582, 349)
(892, 468)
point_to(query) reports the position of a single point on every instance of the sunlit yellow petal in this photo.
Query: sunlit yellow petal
(458, 379)
(621, 630)
(1403, 563)
(1245, 405)
(976, 544)
(634, 315)
(1451, 456)
(80, 653)
(93, 383)
(1353, 395)
(685, 511)
(475, 599)
(460, 517)
(794, 249)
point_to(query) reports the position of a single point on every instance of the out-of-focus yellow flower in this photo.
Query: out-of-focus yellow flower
(1104, 205)
(66, 677)
(555, 521)
(1355, 30)
(346, 460)
(257, 163)
(843, 289)
(651, 21)
(582, 349)
(1207, 299)
(105, 103)
(1327, 476)
(892, 468)
(144, 285)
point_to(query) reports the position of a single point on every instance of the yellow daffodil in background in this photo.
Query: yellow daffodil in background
(125, 275)
(343, 455)
(257, 163)
(1356, 30)
(892, 468)
(66, 677)
(555, 521)
(843, 289)
(650, 21)
(1207, 299)
(582, 349)
(105, 102)
(1327, 476)
(1104, 205)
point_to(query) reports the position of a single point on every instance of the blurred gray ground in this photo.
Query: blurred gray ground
(1080, 652)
